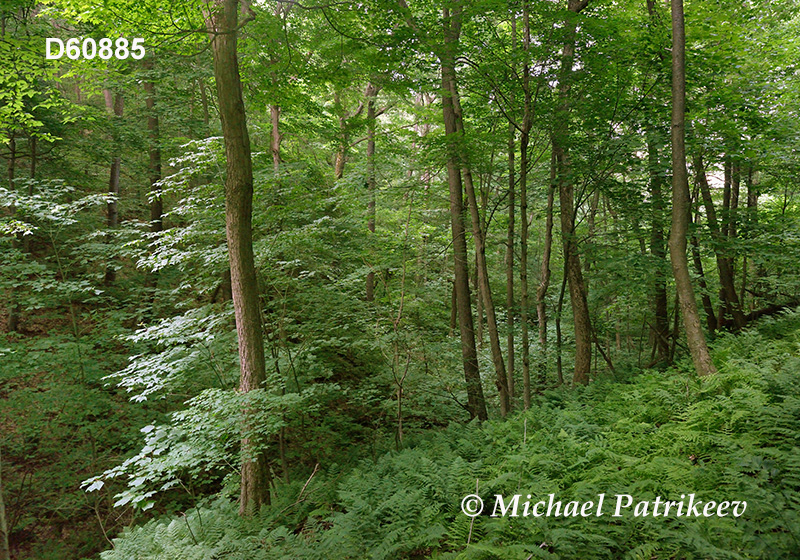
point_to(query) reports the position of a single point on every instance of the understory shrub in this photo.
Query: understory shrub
(734, 436)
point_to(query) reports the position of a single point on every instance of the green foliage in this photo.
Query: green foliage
(732, 437)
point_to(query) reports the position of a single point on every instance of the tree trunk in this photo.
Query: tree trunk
(577, 286)
(371, 93)
(724, 264)
(114, 105)
(275, 136)
(524, 138)
(204, 100)
(5, 553)
(156, 205)
(13, 305)
(476, 401)
(510, 259)
(544, 275)
(340, 158)
(660, 327)
(341, 148)
(680, 201)
(479, 237)
(222, 26)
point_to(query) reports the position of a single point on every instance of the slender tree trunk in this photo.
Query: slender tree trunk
(681, 207)
(476, 286)
(510, 258)
(156, 205)
(544, 276)
(114, 105)
(275, 136)
(26, 240)
(574, 273)
(13, 304)
(708, 306)
(222, 26)
(724, 264)
(343, 137)
(524, 139)
(5, 553)
(453, 309)
(660, 328)
(204, 100)
(748, 224)
(371, 93)
(559, 309)
(476, 401)
(733, 224)
(34, 161)
(340, 158)
(479, 237)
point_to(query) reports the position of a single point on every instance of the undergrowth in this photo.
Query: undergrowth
(735, 436)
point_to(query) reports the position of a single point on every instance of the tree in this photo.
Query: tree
(566, 195)
(222, 24)
(4, 551)
(114, 106)
(681, 206)
(156, 205)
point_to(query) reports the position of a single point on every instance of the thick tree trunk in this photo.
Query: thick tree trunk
(114, 105)
(577, 286)
(222, 25)
(680, 201)
(476, 401)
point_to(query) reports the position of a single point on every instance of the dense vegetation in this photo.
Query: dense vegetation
(307, 274)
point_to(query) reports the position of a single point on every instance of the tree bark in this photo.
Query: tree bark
(5, 553)
(524, 138)
(156, 205)
(340, 159)
(476, 400)
(660, 327)
(509, 257)
(13, 305)
(371, 93)
(222, 25)
(544, 275)
(204, 101)
(577, 286)
(680, 201)
(275, 136)
(724, 264)
(114, 105)
(479, 238)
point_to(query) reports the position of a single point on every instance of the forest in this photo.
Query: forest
(399, 279)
